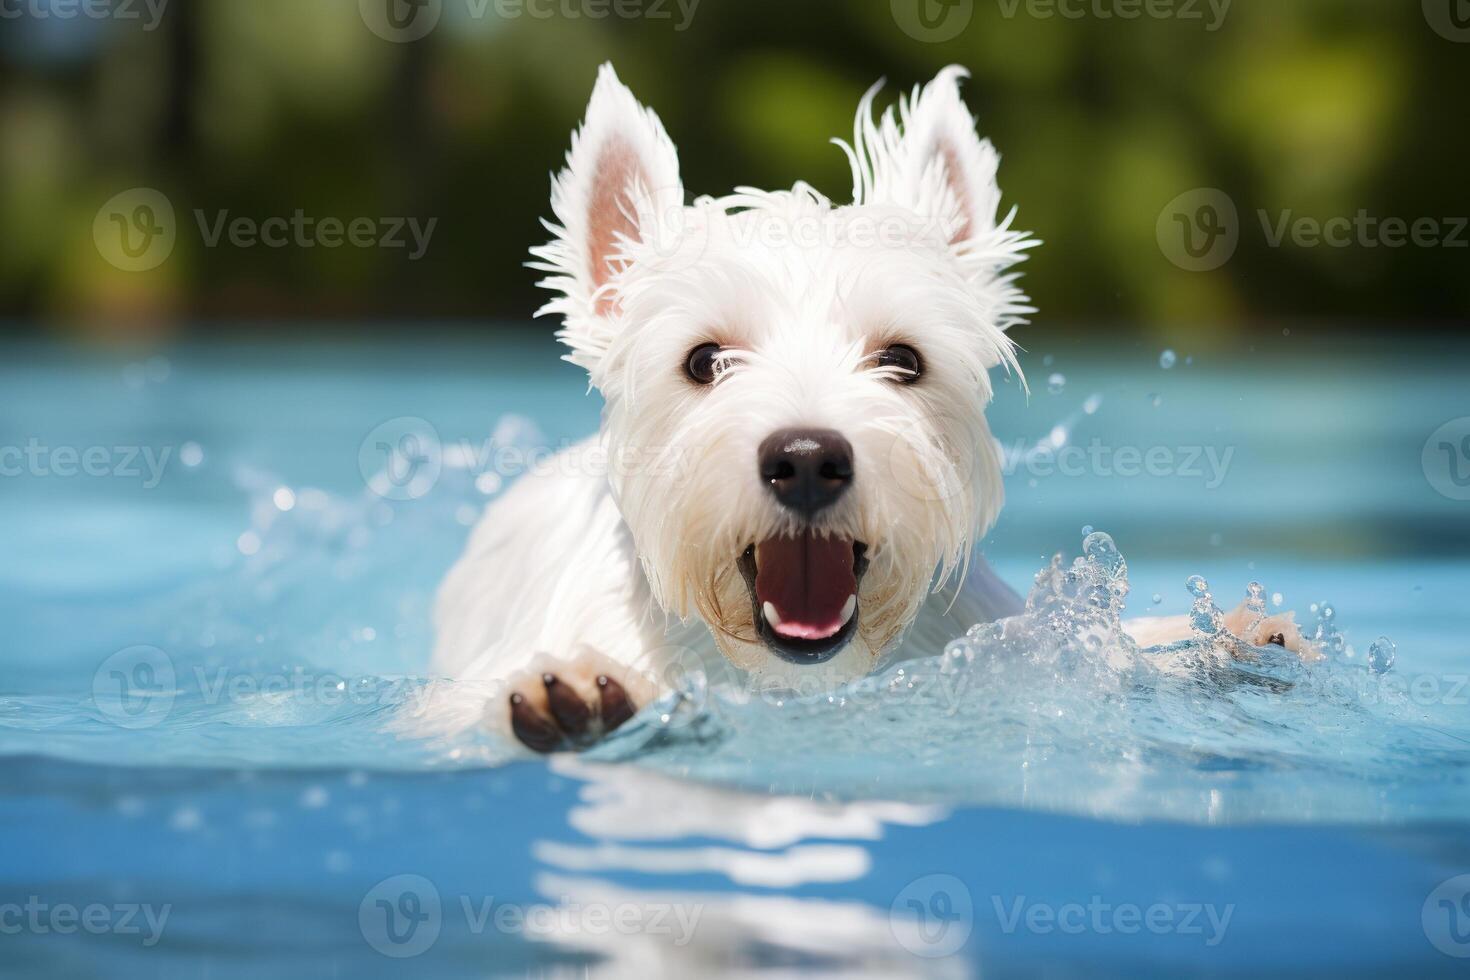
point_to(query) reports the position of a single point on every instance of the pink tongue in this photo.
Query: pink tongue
(808, 579)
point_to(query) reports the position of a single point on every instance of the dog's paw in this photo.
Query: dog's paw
(551, 711)
(1279, 630)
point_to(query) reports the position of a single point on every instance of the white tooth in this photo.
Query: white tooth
(772, 617)
(848, 608)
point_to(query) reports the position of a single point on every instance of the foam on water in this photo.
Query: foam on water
(307, 647)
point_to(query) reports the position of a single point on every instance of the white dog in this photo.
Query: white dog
(794, 457)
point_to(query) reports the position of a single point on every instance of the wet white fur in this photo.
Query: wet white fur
(635, 571)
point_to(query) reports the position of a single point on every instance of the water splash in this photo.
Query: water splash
(1381, 655)
(1058, 708)
(1061, 708)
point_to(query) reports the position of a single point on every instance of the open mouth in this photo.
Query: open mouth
(804, 591)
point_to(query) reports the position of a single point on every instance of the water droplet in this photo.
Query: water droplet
(1327, 612)
(1255, 599)
(1277, 599)
(1155, 399)
(1381, 655)
(1093, 403)
(1168, 359)
(1087, 529)
(191, 454)
(1158, 598)
(1047, 361)
(1205, 618)
(1197, 586)
(1103, 552)
(1056, 383)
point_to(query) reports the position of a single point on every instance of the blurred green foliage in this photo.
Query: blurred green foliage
(1322, 108)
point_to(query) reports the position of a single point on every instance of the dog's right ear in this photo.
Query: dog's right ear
(620, 185)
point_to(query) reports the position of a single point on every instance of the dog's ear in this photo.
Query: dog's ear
(942, 168)
(929, 159)
(620, 184)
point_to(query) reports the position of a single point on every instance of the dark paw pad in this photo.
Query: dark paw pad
(569, 721)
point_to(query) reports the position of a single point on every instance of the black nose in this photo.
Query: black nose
(807, 469)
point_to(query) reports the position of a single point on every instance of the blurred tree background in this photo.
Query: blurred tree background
(262, 108)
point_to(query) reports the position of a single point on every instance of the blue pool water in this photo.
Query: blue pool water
(218, 639)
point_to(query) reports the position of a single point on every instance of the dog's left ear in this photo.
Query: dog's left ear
(620, 185)
(929, 159)
(941, 168)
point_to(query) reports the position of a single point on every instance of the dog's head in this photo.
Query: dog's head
(795, 390)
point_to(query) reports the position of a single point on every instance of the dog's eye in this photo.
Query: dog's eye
(903, 357)
(703, 364)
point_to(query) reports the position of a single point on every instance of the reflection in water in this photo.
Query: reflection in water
(684, 929)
